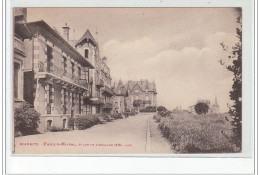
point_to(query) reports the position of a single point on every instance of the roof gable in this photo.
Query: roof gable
(88, 38)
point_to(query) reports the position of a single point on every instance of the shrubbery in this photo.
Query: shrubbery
(26, 119)
(103, 117)
(196, 134)
(57, 129)
(117, 116)
(161, 108)
(149, 109)
(201, 108)
(85, 122)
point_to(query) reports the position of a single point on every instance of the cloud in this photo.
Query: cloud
(182, 75)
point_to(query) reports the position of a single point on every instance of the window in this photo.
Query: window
(79, 72)
(64, 102)
(65, 65)
(86, 53)
(49, 123)
(49, 58)
(89, 111)
(72, 69)
(49, 92)
(16, 70)
(64, 123)
(79, 103)
(72, 99)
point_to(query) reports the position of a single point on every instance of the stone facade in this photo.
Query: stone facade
(58, 80)
(126, 95)
(143, 91)
(120, 97)
(99, 100)
(19, 54)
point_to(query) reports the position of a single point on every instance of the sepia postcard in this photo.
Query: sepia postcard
(127, 81)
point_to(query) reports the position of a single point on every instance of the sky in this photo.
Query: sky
(178, 48)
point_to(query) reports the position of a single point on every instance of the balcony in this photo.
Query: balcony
(83, 82)
(108, 91)
(97, 100)
(100, 83)
(62, 74)
(19, 47)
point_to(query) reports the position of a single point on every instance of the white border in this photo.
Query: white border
(44, 165)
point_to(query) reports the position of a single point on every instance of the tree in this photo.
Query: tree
(201, 108)
(26, 119)
(235, 55)
(161, 108)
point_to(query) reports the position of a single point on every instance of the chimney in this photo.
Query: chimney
(66, 31)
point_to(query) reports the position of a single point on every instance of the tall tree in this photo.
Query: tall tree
(235, 55)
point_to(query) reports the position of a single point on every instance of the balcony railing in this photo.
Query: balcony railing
(100, 83)
(108, 91)
(19, 46)
(60, 72)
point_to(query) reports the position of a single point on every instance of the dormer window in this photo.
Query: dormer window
(86, 53)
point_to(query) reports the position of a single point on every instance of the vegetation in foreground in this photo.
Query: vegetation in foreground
(190, 133)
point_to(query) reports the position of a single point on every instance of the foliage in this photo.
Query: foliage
(149, 109)
(26, 119)
(235, 55)
(85, 122)
(201, 108)
(57, 129)
(193, 133)
(161, 108)
(157, 118)
(116, 116)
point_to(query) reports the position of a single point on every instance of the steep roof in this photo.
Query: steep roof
(88, 37)
(120, 90)
(143, 84)
(52, 35)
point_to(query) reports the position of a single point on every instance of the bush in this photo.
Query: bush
(85, 122)
(26, 119)
(57, 129)
(161, 108)
(193, 133)
(149, 109)
(103, 117)
(157, 117)
(117, 116)
(164, 113)
(201, 108)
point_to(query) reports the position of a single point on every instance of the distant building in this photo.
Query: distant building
(214, 108)
(119, 98)
(142, 91)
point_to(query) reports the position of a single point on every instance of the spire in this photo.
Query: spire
(216, 101)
